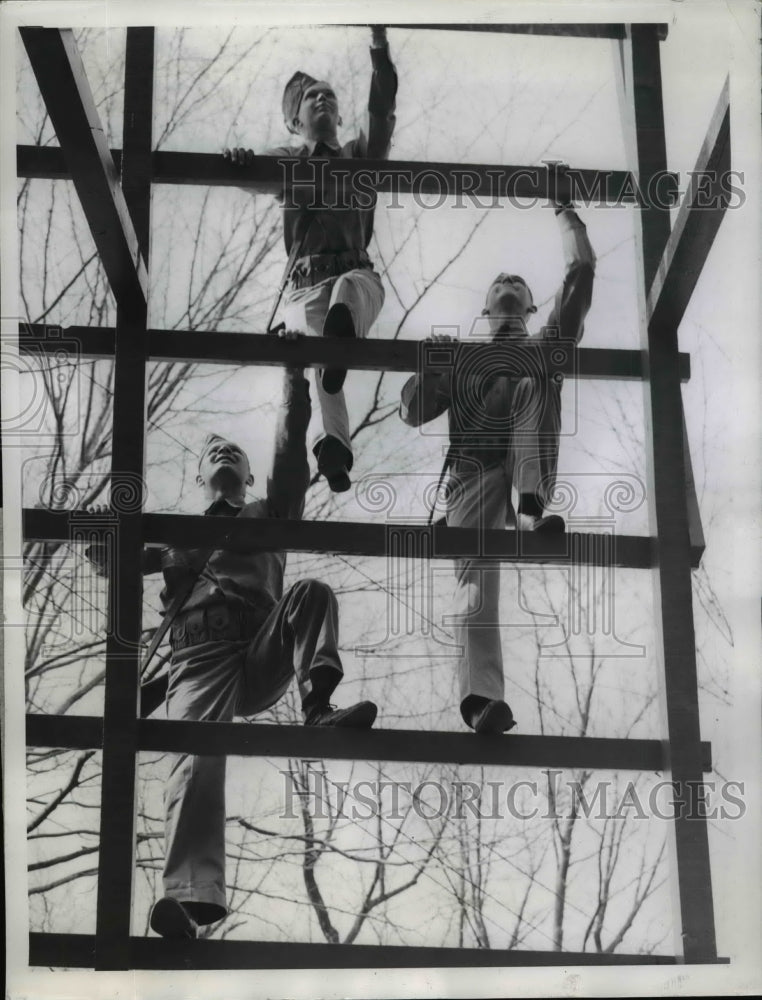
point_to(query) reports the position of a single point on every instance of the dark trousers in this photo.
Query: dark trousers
(213, 682)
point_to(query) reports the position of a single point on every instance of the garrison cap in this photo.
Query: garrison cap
(293, 94)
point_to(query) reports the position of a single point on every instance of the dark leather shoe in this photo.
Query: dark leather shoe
(171, 920)
(338, 323)
(551, 524)
(359, 716)
(494, 718)
(334, 461)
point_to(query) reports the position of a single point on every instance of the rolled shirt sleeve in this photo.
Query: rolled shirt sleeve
(424, 397)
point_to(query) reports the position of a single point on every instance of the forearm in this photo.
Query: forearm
(289, 476)
(575, 244)
(574, 297)
(382, 99)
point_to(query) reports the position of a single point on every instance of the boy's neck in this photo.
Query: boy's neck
(329, 138)
(234, 499)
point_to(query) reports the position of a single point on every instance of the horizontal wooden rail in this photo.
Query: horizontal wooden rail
(353, 538)
(480, 184)
(65, 732)
(422, 746)
(77, 951)
(578, 30)
(374, 354)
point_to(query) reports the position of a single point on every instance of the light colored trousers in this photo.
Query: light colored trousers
(305, 310)
(213, 682)
(480, 497)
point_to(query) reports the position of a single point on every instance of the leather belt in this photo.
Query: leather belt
(216, 623)
(315, 267)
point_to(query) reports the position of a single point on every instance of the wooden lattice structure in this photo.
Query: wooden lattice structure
(114, 188)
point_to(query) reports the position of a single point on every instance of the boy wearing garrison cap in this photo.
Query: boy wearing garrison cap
(332, 289)
(504, 425)
(237, 642)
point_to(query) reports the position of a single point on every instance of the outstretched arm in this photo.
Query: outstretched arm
(382, 100)
(290, 474)
(567, 318)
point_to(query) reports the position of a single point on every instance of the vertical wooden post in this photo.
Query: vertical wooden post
(669, 509)
(120, 723)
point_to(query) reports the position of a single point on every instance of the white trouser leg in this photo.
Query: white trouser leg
(480, 500)
(305, 310)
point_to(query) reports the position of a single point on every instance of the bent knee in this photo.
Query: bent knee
(316, 589)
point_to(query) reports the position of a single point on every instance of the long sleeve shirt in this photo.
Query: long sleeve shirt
(337, 229)
(252, 580)
(478, 429)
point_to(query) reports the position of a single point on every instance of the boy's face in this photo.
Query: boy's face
(508, 295)
(224, 470)
(319, 111)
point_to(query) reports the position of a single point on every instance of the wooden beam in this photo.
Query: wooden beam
(483, 184)
(352, 538)
(644, 89)
(587, 29)
(48, 162)
(76, 950)
(123, 641)
(136, 166)
(65, 89)
(701, 213)
(81, 342)
(66, 732)
(623, 74)
(695, 529)
(421, 746)
(515, 750)
(313, 352)
(669, 512)
(476, 183)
